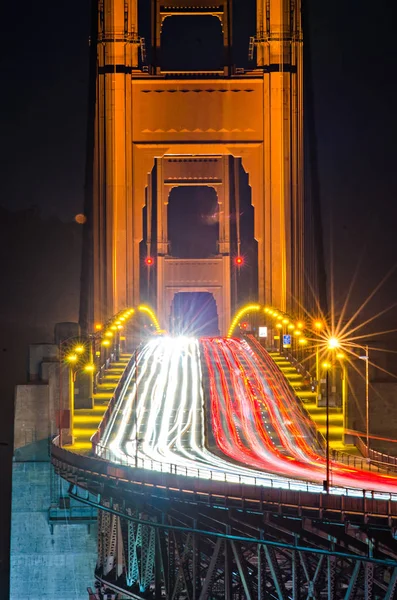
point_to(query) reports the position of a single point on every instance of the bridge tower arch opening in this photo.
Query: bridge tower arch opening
(194, 271)
(195, 312)
(192, 44)
(193, 221)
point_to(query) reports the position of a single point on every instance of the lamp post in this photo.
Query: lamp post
(333, 344)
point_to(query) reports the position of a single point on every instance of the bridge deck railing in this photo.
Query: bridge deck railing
(265, 480)
(309, 499)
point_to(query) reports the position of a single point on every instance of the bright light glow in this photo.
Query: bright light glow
(240, 314)
(239, 261)
(89, 368)
(72, 358)
(149, 261)
(151, 314)
(300, 325)
(333, 343)
(79, 349)
(113, 328)
(105, 343)
(318, 325)
(279, 326)
(297, 332)
(303, 341)
(109, 334)
(119, 327)
(340, 356)
(285, 321)
(98, 326)
(326, 365)
(291, 327)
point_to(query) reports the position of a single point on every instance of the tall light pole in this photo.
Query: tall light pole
(334, 343)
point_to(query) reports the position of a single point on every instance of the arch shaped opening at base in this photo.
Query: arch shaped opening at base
(194, 314)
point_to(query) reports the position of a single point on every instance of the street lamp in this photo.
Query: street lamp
(334, 343)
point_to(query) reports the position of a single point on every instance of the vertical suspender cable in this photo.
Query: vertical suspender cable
(87, 267)
(237, 204)
(149, 216)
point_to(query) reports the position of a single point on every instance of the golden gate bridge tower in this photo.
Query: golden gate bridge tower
(157, 129)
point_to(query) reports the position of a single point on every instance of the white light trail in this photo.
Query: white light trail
(159, 418)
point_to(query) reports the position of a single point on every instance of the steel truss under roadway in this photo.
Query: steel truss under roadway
(152, 548)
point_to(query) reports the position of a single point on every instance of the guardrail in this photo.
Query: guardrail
(99, 375)
(342, 503)
(138, 462)
(385, 461)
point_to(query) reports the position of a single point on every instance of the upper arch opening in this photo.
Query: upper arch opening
(192, 43)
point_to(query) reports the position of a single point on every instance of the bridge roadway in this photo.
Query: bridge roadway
(255, 427)
(217, 427)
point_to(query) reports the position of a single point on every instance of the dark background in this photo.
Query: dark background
(43, 112)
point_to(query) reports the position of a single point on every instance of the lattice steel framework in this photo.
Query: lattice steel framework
(153, 549)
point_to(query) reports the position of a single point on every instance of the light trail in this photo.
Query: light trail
(300, 457)
(259, 428)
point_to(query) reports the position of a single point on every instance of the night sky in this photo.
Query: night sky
(44, 68)
(43, 111)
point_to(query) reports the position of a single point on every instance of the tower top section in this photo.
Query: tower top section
(278, 29)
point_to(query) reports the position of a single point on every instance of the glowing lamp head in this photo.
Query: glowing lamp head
(279, 326)
(149, 261)
(300, 325)
(333, 343)
(71, 358)
(106, 343)
(98, 326)
(109, 334)
(244, 325)
(297, 332)
(89, 368)
(318, 325)
(239, 261)
(326, 365)
(79, 349)
(340, 356)
(290, 327)
(303, 341)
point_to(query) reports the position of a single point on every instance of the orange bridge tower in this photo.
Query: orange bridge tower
(157, 129)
